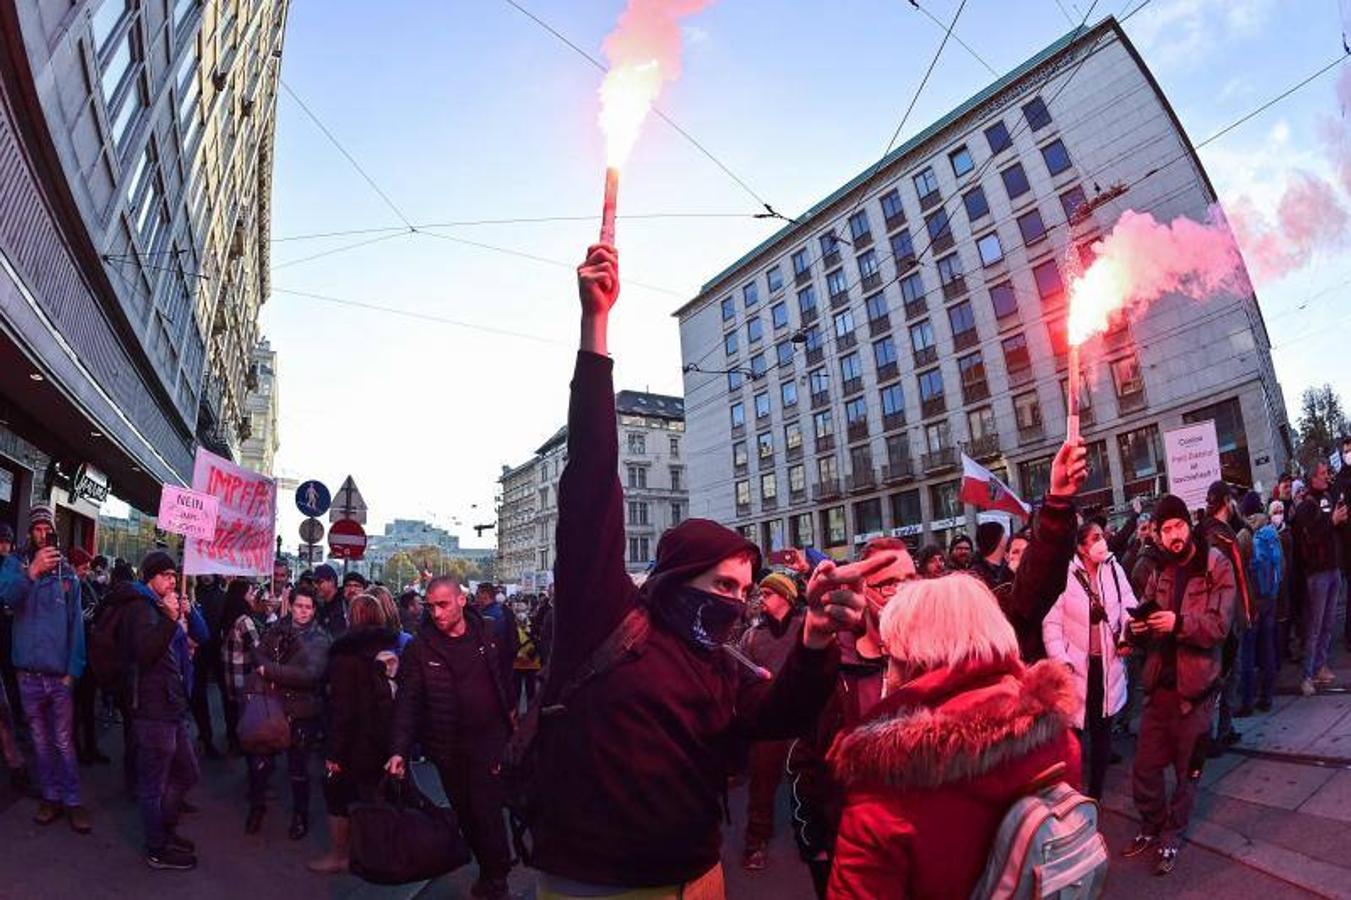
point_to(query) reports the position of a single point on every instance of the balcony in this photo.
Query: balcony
(815, 355)
(831, 259)
(872, 282)
(769, 504)
(852, 385)
(828, 489)
(1129, 403)
(964, 339)
(740, 468)
(825, 443)
(858, 430)
(916, 308)
(879, 325)
(766, 462)
(983, 447)
(797, 496)
(793, 453)
(926, 356)
(887, 372)
(840, 299)
(945, 458)
(820, 400)
(845, 341)
(864, 480)
(892, 421)
(894, 222)
(1020, 375)
(803, 277)
(943, 242)
(810, 315)
(975, 392)
(863, 240)
(1031, 433)
(743, 510)
(738, 431)
(931, 199)
(899, 469)
(933, 406)
(905, 264)
(954, 288)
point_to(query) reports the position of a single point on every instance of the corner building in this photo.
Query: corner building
(918, 312)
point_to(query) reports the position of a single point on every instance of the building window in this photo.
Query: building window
(944, 497)
(738, 413)
(1032, 227)
(1038, 116)
(751, 294)
(764, 445)
(827, 471)
(905, 509)
(844, 324)
(806, 302)
(728, 309)
(188, 93)
(740, 457)
(1099, 475)
(638, 477)
(1017, 359)
(876, 306)
(754, 331)
(1027, 411)
(884, 352)
(677, 512)
(778, 315)
(922, 342)
(743, 493)
(822, 425)
(1034, 477)
(769, 487)
(868, 516)
(818, 381)
(1130, 386)
(1003, 300)
(990, 251)
(836, 284)
(931, 385)
(1070, 201)
(912, 288)
(893, 400)
(855, 411)
(729, 343)
(802, 262)
(1231, 437)
(801, 530)
(892, 210)
(940, 232)
(774, 278)
(926, 185)
(859, 229)
(797, 479)
(974, 386)
(676, 473)
(1141, 455)
(639, 548)
(997, 136)
(788, 393)
(963, 322)
(950, 273)
(1015, 181)
(638, 512)
(836, 531)
(961, 161)
(675, 448)
(850, 370)
(867, 265)
(903, 249)
(1056, 156)
(792, 436)
(784, 353)
(975, 203)
(829, 243)
(1049, 285)
(980, 423)
(762, 405)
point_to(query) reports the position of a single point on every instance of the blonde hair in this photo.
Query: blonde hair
(942, 622)
(387, 605)
(365, 610)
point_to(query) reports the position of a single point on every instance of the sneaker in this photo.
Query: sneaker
(1167, 860)
(1324, 676)
(1264, 704)
(177, 842)
(79, 819)
(169, 858)
(1139, 844)
(48, 812)
(1306, 687)
(754, 858)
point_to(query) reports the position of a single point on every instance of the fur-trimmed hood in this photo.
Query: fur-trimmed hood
(956, 725)
(365, 641)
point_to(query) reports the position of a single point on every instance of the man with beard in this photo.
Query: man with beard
(1184, 616)
(959, 553)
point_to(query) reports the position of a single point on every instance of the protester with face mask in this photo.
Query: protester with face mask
(1266, 572)
(1276, 515)
(1083, 631)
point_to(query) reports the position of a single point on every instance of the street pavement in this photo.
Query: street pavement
(1265, 827)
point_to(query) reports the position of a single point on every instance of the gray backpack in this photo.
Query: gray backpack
(1048, 845)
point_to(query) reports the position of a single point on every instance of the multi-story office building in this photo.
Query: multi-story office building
(135, 170)
(262, 410)
(651, 468)
(918, 312)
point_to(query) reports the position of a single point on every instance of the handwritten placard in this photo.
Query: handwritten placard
(244, 542)
(189, 513)
(1193, 462)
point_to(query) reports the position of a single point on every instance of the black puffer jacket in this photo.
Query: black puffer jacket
(145, 636)
(294, 660)
(361, 701)
(426, 708)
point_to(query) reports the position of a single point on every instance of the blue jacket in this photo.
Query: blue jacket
(48, 617)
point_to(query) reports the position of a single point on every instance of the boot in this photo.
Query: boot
(339, 830)
(300, 825)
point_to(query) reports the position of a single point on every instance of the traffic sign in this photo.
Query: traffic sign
(312, 498)
(347, 539)
(348, 504)
(311, 531)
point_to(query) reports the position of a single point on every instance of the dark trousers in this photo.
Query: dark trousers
(1169, 730)
(297, 768)
(813, 824)
(345, 788)
(474, 788)
(86, 720)
(231, 711)
(166, 768)
(208, 666)
(1259, 652)
(525, 681)
(767, 762)
(1097, 731)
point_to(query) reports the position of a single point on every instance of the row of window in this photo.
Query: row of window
(637, 477)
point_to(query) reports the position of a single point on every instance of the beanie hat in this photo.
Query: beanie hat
(156, 562)
(780, 584)
(988, 535)
(325, 573)
(80, 557)
(353, 578)
(1252, 504)
(1171, 507)
(6, 533)
(41, 514)
(691, 547)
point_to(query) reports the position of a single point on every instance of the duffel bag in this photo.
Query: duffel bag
(403, 836)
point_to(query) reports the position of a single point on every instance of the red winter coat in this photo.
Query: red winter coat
(931, 773)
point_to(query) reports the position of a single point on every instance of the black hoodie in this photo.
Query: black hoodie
(361, 701)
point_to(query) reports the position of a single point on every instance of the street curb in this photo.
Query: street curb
(1304, 872)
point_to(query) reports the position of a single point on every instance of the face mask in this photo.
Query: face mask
(1098, 552)
(1278, 519)
(703, 618)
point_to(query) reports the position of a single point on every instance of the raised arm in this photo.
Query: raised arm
(592, 589)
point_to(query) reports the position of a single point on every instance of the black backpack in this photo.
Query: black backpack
(519, 770)
(108, 657)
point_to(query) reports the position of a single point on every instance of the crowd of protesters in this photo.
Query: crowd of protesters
(911, 700)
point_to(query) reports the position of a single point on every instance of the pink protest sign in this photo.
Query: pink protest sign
(244, 542)
(188, 513)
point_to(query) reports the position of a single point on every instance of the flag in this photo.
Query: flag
(983, 490)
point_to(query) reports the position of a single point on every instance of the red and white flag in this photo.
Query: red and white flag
(983, 490)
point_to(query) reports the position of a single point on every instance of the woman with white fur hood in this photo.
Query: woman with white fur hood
(1083, 631)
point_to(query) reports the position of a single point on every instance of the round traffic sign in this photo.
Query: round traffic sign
(347, 539)
(313, 498)
(311, 531)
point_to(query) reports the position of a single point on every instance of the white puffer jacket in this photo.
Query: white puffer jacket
(1065, 631)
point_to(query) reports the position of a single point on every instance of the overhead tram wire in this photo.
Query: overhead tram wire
(344, 248)
(527, 220)
(961, 43)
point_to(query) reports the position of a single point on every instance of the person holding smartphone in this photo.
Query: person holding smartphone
(49, 654)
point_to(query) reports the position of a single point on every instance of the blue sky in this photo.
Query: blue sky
(467, 111)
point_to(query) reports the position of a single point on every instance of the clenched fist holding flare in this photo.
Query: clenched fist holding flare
(835, 598)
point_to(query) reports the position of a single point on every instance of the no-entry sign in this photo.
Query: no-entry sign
(347, 539)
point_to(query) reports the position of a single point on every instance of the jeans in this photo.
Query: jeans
(473, 786)
(1097, 729)
(1259, 652)
(1169, 730)
(1320, 611)
(50, 708)
(303, 732)
(166, 768)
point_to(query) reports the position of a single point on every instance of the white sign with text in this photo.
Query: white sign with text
(1193, 462)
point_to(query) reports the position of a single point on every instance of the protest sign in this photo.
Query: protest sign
(244, 542)
(188, 513)
(1193, 462)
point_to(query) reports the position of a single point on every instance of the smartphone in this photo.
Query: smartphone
(1144, 610)
(53, 540)
(781, 557)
